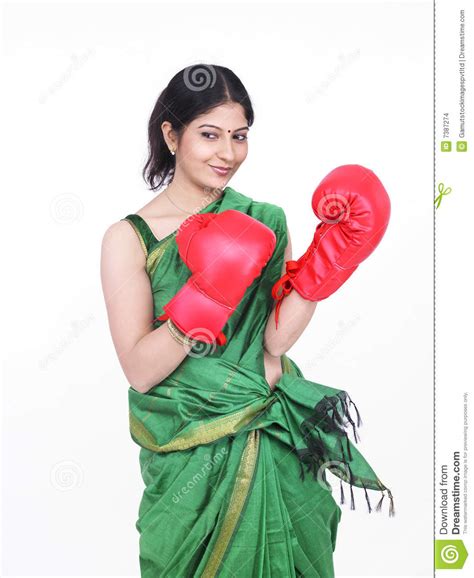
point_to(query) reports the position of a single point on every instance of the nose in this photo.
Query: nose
(226, 151)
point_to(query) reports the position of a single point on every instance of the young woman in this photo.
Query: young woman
(226, 422)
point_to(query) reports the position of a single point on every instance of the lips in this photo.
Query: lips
(220, 170)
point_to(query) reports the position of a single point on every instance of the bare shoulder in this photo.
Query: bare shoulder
(120, 239)
(122, 256)
(119, 233)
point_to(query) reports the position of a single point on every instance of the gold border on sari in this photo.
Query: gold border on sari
(237, 501)
(142, 242)
(155, 257)
(285, 364)
(202, 434)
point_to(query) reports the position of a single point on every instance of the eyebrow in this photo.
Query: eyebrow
(219, 128)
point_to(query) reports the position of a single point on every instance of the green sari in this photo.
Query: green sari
(225, 459)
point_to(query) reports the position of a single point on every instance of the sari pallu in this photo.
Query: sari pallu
(235, 473)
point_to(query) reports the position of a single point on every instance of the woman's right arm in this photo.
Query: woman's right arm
(147, 355)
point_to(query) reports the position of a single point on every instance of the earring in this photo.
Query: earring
(172, 152)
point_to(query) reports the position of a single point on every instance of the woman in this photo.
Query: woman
(226, 422)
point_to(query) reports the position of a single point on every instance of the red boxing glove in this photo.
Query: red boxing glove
(225, 252)
(354, 208)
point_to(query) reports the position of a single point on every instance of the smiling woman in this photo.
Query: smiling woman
(180, 151)
(226, 427)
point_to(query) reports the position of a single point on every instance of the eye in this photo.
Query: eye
(208, 133)
(239, 137)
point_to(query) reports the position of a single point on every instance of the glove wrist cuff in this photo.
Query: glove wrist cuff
(196, 315)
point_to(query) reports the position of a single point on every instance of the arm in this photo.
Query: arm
(295, 314)
(147, 355)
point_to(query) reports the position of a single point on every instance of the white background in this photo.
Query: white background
(331, 83)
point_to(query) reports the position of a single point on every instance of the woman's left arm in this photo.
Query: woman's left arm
(294, 315)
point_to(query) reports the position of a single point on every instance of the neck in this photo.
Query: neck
(192, 199)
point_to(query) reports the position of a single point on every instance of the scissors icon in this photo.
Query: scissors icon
(442, 192)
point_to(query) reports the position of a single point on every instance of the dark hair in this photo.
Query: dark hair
(191, 92)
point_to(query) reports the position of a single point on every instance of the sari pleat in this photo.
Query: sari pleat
(235, 472)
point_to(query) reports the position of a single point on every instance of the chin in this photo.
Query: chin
(209, 187)
(218, 182)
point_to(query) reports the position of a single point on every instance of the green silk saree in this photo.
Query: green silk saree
(235, 473)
